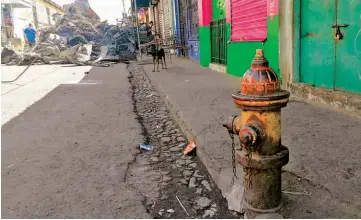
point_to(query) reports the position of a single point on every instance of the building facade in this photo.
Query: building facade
(17, 14)
(14, 15)
(231, 31)
(315, 43)
(45, 9)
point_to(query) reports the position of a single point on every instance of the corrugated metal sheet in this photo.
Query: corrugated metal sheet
(160, 25)
(248, 20)
(167, 19)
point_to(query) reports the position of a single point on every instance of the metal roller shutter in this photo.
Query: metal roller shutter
(167, 19)
(248, 20)
(160, 19)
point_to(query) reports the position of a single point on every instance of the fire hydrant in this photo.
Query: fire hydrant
(259, 128)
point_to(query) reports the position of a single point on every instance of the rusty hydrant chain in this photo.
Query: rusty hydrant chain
(230, 132)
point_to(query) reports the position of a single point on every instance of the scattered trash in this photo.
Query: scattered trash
(180, 203)
(170, 211)
(305, 193)
(146, 147)
(148, 96)
(191, 147)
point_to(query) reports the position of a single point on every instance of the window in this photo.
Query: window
(41, 13)
(248, 20)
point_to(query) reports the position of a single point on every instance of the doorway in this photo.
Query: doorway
(219, 42)
(330, 44)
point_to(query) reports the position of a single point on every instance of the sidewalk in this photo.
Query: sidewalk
(324, 145)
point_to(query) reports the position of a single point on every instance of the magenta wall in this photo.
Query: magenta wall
(205, 12)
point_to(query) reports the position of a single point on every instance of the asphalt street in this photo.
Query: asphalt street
(66, 156)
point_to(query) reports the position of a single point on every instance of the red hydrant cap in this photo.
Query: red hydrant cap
(260, 79)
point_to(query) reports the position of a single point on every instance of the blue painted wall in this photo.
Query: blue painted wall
(176, 22)
(192, 38)
(193, 50)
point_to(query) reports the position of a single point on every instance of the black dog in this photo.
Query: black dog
(158, 55)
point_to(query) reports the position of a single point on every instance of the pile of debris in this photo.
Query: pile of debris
(77, 39)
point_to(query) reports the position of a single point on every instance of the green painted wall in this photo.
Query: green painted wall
(240, 54)
(204, 45)
(218, 9)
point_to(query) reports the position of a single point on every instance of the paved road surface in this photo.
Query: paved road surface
(33, 85)
(66, 156)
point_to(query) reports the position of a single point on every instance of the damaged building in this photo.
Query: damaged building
(78, 37)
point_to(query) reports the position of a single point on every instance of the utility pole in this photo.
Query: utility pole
(124, 13)
(123, 6)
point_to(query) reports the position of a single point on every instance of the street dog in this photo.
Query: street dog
(158, 55)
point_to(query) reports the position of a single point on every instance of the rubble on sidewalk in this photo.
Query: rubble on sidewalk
(77, 39)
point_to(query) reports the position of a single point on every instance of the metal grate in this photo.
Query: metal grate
(218, 42)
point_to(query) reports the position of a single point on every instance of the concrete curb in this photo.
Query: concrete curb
(338, 100)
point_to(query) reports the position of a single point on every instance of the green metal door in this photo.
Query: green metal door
(325, 61)
(348, 49)
(219, 42)
(317, 64)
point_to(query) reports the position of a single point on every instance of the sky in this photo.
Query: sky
(106, 9)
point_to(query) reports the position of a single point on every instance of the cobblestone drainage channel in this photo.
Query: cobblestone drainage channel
(164, 175)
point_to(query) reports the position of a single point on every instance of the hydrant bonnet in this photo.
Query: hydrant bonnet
(260, 79)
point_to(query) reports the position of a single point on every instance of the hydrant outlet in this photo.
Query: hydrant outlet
(250, 135)
(230, 123)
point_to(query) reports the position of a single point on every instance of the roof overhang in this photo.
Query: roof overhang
(18, 3)
(141, 3)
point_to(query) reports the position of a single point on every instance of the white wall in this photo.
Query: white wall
(42, 15)
(22, 18)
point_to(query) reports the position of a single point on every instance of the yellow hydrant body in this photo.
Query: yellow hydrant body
(259, 128)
